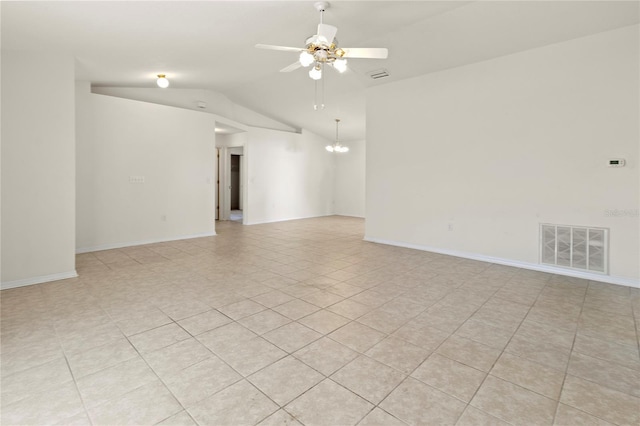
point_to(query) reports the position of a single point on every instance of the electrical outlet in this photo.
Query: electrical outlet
(450, 227)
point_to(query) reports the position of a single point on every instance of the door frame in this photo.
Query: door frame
(225, 182)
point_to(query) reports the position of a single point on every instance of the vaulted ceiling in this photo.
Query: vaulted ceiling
(210, 44)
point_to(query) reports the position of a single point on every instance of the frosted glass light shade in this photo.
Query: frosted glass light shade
(315, 73)
(340, 65)
(306, 58)
(162, 81)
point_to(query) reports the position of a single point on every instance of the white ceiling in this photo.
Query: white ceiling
(210, 44)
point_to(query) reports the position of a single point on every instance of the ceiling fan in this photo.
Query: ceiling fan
(322, 49)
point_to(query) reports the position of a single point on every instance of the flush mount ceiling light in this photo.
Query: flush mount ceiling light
(162, 81)
(322, 49)
(337, 146)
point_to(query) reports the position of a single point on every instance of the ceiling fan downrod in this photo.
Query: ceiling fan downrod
(321, 6)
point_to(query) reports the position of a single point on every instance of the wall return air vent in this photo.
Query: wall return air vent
(575, 247)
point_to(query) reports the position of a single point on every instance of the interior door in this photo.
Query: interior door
(218, 184)
(235, 182)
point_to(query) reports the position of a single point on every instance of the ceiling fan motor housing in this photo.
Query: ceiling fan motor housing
(321, 6)
(322, 52)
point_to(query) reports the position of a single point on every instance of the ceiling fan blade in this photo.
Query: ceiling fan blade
(366, 52)
(292, 67)
(327, 32)
(282, 48)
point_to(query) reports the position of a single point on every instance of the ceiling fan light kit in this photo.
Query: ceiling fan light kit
(322, 49)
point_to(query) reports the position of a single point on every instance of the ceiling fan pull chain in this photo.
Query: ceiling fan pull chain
(317, 106)
(322, 88)
(315, 95)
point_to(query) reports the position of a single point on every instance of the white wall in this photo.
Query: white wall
(498, 147)
(217, 103)
(288, 176)
(173, 148)
(232, 140)
(349, 180)
(38, 168)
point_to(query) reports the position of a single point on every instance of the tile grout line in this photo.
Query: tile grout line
(566, 370)
(75, 383)
(158, 376)
(503, 349)
(261, 240)
(409, 374)
(581, 378)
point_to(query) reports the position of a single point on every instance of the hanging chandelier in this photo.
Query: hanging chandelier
(337, 146)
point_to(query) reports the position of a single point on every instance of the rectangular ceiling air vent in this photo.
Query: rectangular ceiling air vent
(575, 247)
(381, 73)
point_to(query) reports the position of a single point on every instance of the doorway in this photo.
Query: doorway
(231, 196)
(218, 168)
(235, 204)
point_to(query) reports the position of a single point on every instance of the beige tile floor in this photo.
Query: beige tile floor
(302, 322)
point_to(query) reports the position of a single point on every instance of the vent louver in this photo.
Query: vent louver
(381, 73)
(574, 247)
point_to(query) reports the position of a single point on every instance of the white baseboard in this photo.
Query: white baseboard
(629, 282)
(287, 219)
(140, 243)
(38, 280)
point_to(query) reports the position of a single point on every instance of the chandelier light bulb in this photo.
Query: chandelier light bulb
(162, 81)
(340, 65)
(315, 73)
(329, 148)
(306, 58)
